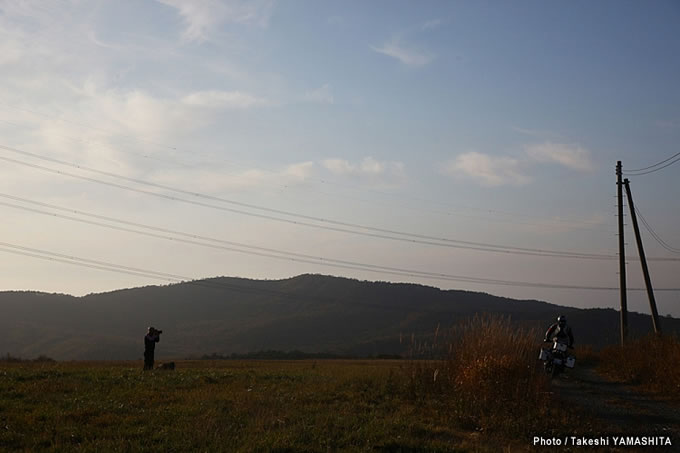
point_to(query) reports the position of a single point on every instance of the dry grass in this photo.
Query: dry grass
(486, 392)
(234, 406)
(492, 380)
(651, 362)
(586, 356)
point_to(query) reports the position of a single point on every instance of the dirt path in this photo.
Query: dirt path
(626, 410)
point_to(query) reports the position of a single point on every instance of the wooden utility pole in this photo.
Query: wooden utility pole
(622, 257)
(643, 259)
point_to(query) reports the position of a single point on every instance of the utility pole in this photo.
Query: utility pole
(643, 259)
(622, 257)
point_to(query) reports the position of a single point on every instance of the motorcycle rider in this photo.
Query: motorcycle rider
(560, 331)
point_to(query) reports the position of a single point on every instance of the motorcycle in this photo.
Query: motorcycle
(556, 358)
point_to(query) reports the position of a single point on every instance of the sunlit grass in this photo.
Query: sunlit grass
(493, 381)
(651, 362)
(218, 406)
(485, 391)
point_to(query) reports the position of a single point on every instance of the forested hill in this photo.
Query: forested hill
(310, 313)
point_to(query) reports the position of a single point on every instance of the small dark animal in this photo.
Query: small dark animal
(167, 366)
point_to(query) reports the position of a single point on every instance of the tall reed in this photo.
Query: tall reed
(488, 372)
(651, 361)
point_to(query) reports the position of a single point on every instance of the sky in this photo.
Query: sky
(441, 143)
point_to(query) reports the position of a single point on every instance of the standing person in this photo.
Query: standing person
(150, 339)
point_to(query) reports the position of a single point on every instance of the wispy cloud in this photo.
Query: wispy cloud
(138, 112)
(109, 128)
(224, 100)
(401, 48)
(322, 95)
(216, 179)
(203, 17)
(487, 170)
(367, 167)
(493, 171)
(405, 54)
(571, 156)
(431, 24)
(538, 133)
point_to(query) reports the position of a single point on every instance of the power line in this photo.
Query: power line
(286, 213)
(652, 166)
(677, 159)
(482, 247)
(658, 239)
(95, 264)
(88, 126)
(208, 283)
(581, 224)
(105, 145)
(103, 265)
(469, 279)
(407, 237)
(321, 180)
(655, 170)
(254, 250)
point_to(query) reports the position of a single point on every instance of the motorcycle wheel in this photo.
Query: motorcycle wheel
(554, 371)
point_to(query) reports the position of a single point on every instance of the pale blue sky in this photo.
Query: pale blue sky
(494, 122)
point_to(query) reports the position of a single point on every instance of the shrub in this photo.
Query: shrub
(44, 358)
(10, 358)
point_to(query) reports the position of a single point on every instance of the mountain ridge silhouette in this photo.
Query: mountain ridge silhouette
(311, 313)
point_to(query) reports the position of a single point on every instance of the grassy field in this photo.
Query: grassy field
(226, 406)
(243, 406)
(650, 362)
(484, 396)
